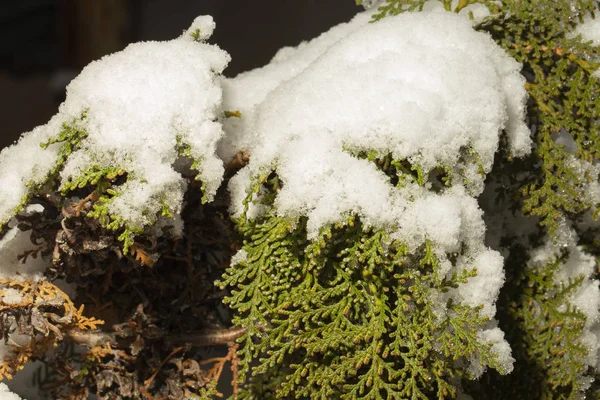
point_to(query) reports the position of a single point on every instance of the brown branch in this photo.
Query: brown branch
(149, 381)
(215, 372)
(203, 338)
(239, 161)
(209, 337)
(91, 338)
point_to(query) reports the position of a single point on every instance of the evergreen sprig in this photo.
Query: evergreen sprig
(70, 137)
(185, 150)
(545, 332)
(347, 316)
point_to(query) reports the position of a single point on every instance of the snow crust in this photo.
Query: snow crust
(138, 103)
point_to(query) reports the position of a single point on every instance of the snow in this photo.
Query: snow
(138, 103)
(204, 25)
(501, 348)
(399, 87)
(14, 243)
(11, 296)
(24, 382)
(247, 90)
(565, 139)
(589, 29)
(311, 125)
(6, 394)
(483, 289)
(15, 174)
(587, 297)
(588, 184)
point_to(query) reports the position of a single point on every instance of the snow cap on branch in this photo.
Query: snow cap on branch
(423, 87)
(135, 110)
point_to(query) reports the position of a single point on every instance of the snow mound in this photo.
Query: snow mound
(137, 107)
(6, 394)
(424, 87)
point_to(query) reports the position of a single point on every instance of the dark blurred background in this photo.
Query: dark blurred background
(45, 43)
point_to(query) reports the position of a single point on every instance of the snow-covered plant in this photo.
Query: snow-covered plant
(401, 208)
(364, 252)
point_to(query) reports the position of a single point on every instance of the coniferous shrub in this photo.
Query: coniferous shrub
(402, 208)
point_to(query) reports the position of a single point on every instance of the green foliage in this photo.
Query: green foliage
(99, 177)
(101, 181)
(185, 150)
(552, 326)
(197, 35)
(70, 137)
(350, 315)
(100, 211)
(544, 330)
(395, 7)
(208, 392)
(542, 326)
(564, 98)
(403, 172)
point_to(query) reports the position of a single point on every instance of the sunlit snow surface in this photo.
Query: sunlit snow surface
(6, 394)
(138, 102)
(422, 87)
(419, 86)
(589, 29)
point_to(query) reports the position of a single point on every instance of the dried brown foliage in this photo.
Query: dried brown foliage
(159, 304)
(34, 318)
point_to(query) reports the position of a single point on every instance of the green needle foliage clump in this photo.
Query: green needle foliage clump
(351, 314)
(410, 216)
(555, 186)
(347, 316)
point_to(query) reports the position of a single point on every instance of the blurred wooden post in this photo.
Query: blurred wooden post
(94, 28)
